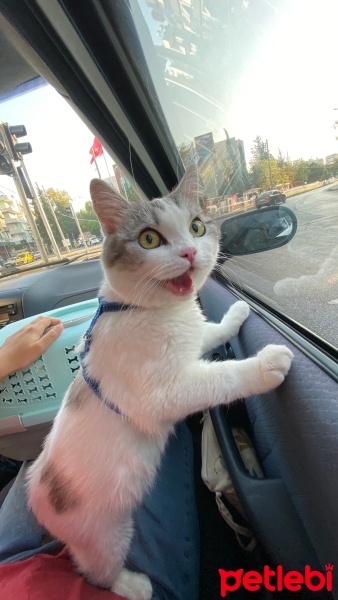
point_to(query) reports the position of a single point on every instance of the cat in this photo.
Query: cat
(145, 362)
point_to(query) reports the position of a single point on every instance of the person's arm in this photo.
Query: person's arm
(25, 346)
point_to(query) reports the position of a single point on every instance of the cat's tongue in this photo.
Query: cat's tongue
(181, 285)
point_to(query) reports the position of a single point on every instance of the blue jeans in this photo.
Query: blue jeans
(165, 545)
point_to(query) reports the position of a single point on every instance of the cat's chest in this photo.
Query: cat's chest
(149, 338)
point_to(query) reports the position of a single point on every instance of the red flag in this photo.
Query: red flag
(96, 150)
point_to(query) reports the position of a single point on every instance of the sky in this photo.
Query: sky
(60, 143)
(287, 94)
(297, 62)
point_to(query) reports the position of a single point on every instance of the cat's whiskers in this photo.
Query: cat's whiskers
(156, 270)
(223, 271)
(153, 282)
(149, 289)
(138, 299)
(235, 278)
(235, 259)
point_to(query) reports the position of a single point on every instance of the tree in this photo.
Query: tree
(316, 171)
(260, 174)
(59, 202)
(88, 219)
(259, 149)
(286, 173)
(280, 159)
(282, 169)
(301, 171)
(332, 169)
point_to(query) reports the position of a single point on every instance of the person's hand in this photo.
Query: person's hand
(25, 346)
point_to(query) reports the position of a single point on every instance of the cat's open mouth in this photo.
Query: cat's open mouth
(181, 285)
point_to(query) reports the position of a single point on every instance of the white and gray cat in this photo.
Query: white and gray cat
(147, 361)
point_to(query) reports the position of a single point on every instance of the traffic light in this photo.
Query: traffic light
(6, 167)
(13, 132)
(10, 149)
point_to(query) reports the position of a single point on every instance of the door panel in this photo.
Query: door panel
(295, 433)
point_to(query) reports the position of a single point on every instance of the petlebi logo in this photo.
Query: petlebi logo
(276, 580)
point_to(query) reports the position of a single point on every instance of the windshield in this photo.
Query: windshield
(216, 59)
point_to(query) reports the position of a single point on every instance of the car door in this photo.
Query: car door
(275, 197)
(128, 69)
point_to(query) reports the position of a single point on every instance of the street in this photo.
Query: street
(300, 279)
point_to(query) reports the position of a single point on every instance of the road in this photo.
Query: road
(301, 279)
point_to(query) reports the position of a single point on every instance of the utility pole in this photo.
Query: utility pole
(64, 241)
(42, 212)
(79, 226)
(11, 153)
(28, 214)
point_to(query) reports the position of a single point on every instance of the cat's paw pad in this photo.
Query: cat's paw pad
(133, 586)
(275, 362)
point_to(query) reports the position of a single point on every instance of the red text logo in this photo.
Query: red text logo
(276, 580)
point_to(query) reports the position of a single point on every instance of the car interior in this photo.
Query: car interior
(111, 61)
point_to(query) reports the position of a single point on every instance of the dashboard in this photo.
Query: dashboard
(31, 294)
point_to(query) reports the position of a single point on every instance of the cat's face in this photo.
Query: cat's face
(160, 252)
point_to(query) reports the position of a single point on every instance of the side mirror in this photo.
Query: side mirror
(257, 231)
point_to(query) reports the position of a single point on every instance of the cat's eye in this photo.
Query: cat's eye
(150, 239)
(197, 229)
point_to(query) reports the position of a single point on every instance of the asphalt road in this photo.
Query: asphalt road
(301, 279)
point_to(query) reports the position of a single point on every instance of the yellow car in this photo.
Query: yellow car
(23, 258)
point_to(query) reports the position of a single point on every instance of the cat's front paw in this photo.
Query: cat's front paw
(133, 586)
(275, 362)
(236, 316)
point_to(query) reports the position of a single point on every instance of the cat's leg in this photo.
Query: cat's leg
(204, 385)
(101, 558)
(215, 334)
(134, 586)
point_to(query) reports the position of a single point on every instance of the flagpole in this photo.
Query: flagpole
(96, 165)
(105, 160)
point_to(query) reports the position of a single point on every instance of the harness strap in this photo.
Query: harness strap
(93, 383)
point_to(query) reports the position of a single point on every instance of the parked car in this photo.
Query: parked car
(10, 262)
(23, 258)
(270, 198)
(93, 241)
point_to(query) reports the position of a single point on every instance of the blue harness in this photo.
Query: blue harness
(90, 381)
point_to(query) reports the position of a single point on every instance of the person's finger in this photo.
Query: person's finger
(41, 323)
(49, 337)
(53, 321)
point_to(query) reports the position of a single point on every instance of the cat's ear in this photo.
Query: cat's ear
(190, 186)
(109, 206)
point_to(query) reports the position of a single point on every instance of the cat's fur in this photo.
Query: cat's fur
(96, 465)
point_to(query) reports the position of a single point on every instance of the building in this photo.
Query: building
(221, 164)
(332, 158)
(15, 233)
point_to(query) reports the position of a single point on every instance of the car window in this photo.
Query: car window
(50, 187)
(214, 64)
(209, 65)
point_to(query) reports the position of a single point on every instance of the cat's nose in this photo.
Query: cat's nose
(189, 253)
